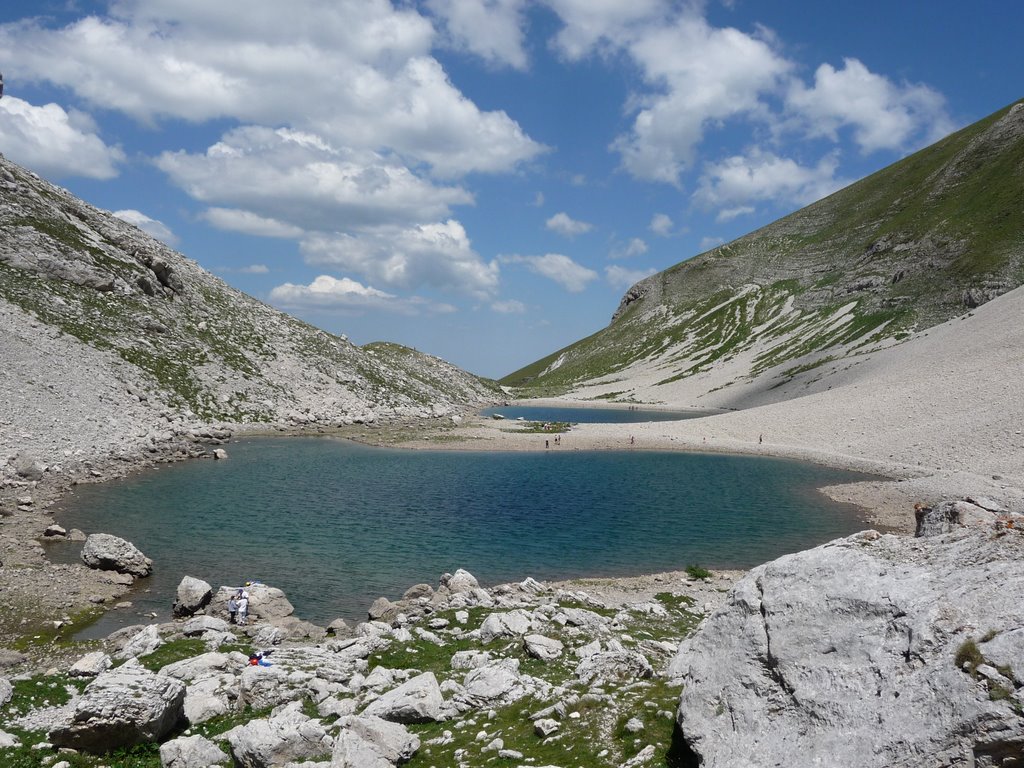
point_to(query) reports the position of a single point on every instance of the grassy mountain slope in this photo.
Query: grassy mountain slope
(906, 248)
(181, 339)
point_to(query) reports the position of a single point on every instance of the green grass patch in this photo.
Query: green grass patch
(698, 572)
(968, 657)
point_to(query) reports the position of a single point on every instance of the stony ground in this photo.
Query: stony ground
(574, 673)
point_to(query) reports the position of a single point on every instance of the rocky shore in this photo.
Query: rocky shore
(453, 675)
(874, 650)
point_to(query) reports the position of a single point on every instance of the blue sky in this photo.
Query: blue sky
(479, 179)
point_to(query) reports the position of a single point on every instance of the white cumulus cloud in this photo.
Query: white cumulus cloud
(156, 228)
(563, 224)
(284, 180)
(757, 176)
(882, 114)
(557, 267)
(661, 224)
(249, 223)
(491, 29)
(350, 296)
(635, 247)
(358, 72)
(346, 295)
(698, 75)
(439, 255)
(509, 307)
(618, 277)
(55, 142)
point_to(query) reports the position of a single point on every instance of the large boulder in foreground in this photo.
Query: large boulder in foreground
(125, 706)
(105, 552)
(868, 651)
(191, 596)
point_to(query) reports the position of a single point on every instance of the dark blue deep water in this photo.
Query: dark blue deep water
(336, 524)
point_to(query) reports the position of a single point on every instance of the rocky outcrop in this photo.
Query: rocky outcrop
(265, 603)
(90, 665)
(874, 650)
(125, 706)
(192, 596)
(111, 553)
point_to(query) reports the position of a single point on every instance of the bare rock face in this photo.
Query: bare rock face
(105, 552)
(868, 651)
(125, 706)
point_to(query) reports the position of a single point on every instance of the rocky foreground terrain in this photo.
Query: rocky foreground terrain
(874, 650)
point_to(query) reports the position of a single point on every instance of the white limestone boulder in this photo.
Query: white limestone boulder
(90, 665)
(122, 707)
(510, 624)
(105, 552)
(142, 643)
(370, 741)
(286, 736)
(191, 752)
(856, 650)
(191, 596)
(417, 700)
(542, 647)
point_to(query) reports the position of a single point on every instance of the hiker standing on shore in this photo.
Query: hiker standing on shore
(243, 607)
(232, 608)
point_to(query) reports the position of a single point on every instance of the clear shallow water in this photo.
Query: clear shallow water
(336, 524)
(589, 415)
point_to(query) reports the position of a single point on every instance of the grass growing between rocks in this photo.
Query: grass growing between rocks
(25, 627)
(27, 756)
(605, 723)
(40, 691)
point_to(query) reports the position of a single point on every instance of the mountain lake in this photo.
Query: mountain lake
(336, 524)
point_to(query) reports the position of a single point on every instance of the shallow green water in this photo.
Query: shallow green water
(336, 524)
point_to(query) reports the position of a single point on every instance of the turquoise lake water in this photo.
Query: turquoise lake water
(337, 524)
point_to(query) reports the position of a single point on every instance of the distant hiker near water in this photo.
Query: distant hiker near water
(232, 608)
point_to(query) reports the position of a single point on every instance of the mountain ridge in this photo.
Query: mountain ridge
(926, 239)
(168, 344)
